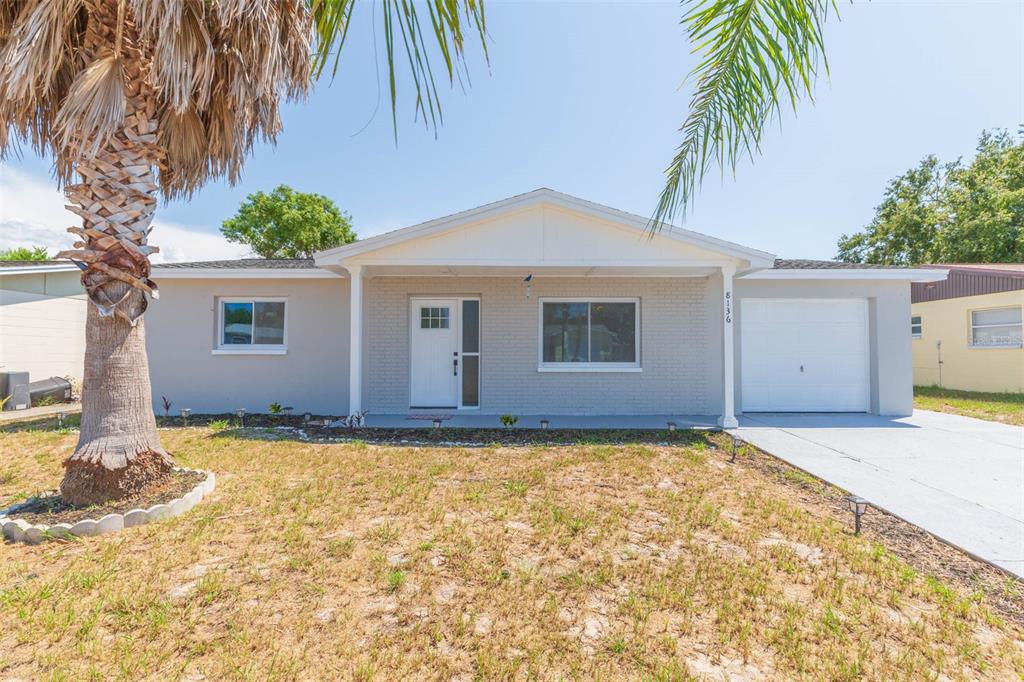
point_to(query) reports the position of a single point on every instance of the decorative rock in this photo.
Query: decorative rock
(209, 483)
(136, 517)
(35, 534)
(158, 511)
(84, 528)
(111, 523)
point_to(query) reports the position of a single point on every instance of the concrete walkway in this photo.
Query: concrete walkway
(959, 478)
(31, 413)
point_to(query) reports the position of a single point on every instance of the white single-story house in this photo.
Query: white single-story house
(42, 319)
(541, 304)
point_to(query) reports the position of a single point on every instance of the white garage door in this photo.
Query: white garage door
(802, 355)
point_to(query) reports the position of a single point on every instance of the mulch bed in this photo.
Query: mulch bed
(52, 509)
(920, 549)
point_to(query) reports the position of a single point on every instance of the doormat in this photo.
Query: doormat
(429, 417)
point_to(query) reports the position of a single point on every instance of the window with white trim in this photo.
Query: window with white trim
(589, 334)
(996, 328)
(252, 325)
(915, 326)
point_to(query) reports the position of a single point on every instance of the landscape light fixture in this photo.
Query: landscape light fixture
(60, 419)
(736, 443)
(185, 413)
(857, 506)
(544, 424)
(671, 426)
(240, 413)
(437, 423)
(307, 417)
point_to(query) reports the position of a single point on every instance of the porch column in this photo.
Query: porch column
(355, 345)
(728, 418)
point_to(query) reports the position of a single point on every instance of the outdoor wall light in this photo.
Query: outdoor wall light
(857, 506)
(185, 414)
(671, 426)
(240, 413)
(437, 423)
(544, 424)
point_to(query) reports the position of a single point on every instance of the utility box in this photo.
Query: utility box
(14, 387)
(58, 390)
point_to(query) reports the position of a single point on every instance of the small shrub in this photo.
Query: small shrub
(275, 408)
(509, 420)
(219, 424)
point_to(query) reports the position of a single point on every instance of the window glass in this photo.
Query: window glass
(269, 326)
(237, 324)
(471, 326)
(565, 332)
(915, 325)
(433, 318)
(470, 380)
(999, 327)
(612, 332)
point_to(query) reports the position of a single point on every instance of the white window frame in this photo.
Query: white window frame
(919, 324)
(220, 348)
(590, 367)
(971, 327)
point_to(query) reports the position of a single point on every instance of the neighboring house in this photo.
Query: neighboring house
(967, 328)
(42, 319)
(541, 304)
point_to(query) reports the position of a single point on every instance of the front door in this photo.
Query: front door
(435, 353)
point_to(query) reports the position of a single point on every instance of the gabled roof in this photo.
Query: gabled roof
(540, 197)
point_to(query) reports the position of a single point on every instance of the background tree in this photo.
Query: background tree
(24, 253)
(950, 213)
(139, 98)
(289, 224)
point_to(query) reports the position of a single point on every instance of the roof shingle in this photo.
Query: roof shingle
(243, 263)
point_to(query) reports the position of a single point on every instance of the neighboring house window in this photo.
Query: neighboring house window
(996, 328)
(252, 325)
(590, 335)
(915, 326)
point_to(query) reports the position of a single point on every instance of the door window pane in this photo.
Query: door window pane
(612, 332)
(269, 327)
(471, 326)
(237, 324)
(433, 318)
(565, 332)
(471, 380)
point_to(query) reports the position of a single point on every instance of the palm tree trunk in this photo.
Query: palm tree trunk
(119, 451)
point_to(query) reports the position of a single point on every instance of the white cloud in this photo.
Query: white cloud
(32, 213)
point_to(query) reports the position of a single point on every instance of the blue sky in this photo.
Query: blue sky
(585, 98)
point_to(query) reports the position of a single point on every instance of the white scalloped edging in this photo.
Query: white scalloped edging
(19, 530)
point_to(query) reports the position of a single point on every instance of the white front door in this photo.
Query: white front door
(434, 371)
(804, 355)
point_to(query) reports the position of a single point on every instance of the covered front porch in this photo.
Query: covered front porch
(542, 306)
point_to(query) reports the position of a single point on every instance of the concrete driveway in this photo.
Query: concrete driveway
(962, 479)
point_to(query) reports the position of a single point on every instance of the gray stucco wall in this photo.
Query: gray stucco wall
(312, 376)
(680, 372)
(891, 368)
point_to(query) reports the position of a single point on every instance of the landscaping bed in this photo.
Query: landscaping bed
(52, 509)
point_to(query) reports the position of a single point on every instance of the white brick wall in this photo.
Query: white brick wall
(677, 345)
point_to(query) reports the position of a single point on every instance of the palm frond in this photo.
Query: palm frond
(755, 55)
(94, 108)
(449, 22)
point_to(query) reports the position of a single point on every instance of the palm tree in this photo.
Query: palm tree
(145, 98)
(755, 55)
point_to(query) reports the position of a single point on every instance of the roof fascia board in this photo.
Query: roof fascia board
(242, 273)
(870, 274)
(38, 269)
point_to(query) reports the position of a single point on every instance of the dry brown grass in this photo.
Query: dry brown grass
(365, 562)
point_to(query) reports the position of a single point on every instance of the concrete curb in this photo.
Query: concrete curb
(19, 530)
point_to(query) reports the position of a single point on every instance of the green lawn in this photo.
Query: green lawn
(355, 561)
(1000, 407)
